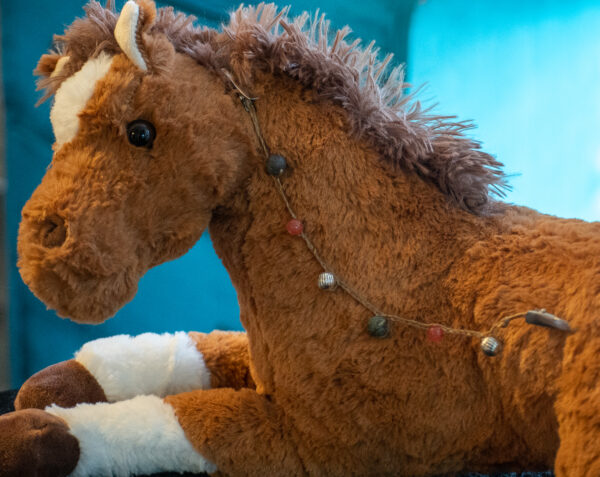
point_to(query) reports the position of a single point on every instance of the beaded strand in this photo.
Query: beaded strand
(378, 324)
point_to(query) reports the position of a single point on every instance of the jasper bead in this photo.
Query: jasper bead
(435, 334)
(294, 227)
(276, 164)
(378, 327)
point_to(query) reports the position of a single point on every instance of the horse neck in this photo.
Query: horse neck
(388, 234)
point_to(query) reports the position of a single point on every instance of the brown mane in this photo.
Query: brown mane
(378, 111)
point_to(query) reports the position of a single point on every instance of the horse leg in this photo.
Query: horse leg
(33, 442)
(121, 367)
(227, 358)
(67, 384)
(238, 432)
(578, 409)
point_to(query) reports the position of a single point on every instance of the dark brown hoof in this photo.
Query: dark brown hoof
(37, 444)
(65, 384)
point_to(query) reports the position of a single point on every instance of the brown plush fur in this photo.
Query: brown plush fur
(329, 399)
(226, 356)
(64, 384)
(35, 443)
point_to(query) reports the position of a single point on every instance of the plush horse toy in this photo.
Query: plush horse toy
(389, 298)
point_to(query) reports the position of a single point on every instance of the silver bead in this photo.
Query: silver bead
(490, 346)
(327, 281)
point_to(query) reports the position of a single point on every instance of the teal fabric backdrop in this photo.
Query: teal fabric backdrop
(528, 73)
(192, 293)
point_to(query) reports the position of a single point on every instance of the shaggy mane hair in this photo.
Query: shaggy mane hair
(263, 38)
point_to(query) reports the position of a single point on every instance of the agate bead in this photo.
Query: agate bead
(435, 334)
(294, 227)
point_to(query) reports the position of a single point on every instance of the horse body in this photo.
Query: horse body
(307, 390)
(310, 346)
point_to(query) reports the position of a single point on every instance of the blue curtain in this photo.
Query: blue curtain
(192, 293)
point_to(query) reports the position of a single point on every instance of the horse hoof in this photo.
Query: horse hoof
(65, 384)
(35, 443)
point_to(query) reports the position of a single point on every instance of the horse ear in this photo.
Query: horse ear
(135, 18)
(51, 65)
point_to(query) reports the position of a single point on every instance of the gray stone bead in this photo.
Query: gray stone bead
(378, 327)
(276, 164)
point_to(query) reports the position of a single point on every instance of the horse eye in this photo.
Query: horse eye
(141, 133)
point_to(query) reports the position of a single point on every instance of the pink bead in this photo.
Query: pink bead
(435, 334)
(294, 227)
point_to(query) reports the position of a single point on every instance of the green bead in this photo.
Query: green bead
(378, 327)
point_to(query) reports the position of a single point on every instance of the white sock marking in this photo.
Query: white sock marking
(138, 436)
(128, 366)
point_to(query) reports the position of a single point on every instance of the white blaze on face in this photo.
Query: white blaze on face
(73, 95)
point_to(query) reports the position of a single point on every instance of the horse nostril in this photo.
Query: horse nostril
(53, 231)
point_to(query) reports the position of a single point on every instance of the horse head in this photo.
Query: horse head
(146, 147)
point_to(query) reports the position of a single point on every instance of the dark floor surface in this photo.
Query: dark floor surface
(6, 405)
